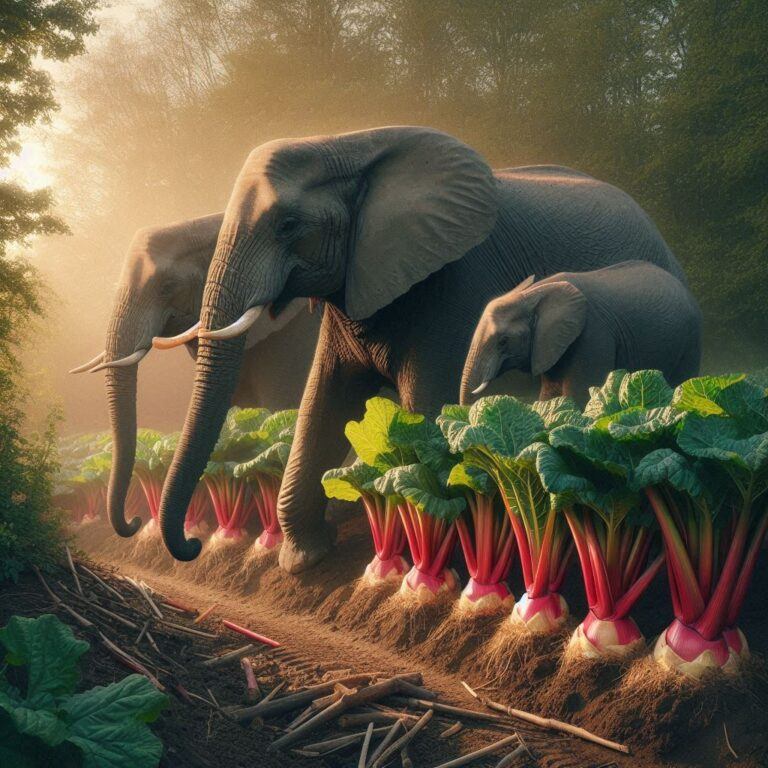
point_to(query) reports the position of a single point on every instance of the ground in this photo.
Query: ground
(324, 624)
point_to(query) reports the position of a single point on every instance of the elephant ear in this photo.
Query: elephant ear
(561, 312)
(429, 198)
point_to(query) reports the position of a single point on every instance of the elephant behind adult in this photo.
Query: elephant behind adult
(407, 234)
(160, 294)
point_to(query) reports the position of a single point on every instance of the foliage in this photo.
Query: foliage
(44, 721)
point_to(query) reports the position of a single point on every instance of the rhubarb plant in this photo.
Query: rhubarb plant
(44, 722)
(154, 454)
(232, 499)
(486, 538)
(500, 435)
(708, 493)
(89, 485)
(356, 482)
(588, 469)
(264, 473)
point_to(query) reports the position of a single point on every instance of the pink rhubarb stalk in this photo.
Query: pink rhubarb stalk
(615, 570)
(487, 542)
(388, 564)
(265, 493)
(708, 576)
(431, 541)
(233, 505)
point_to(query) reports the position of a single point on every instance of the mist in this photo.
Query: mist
(159, 115)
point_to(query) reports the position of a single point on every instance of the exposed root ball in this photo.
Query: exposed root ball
(540, 615)
(425, 589)
(598, 639)
(353, 609)
(405, 621)
(461, 638)
(149, 548)
(517, 657)
(221, 560)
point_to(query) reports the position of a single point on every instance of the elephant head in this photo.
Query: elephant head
(527, 329)
(160, 293)
(355, 219)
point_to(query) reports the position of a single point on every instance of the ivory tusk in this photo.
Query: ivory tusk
(480, 388)
(169, 342)
(237, 328)
(87, 366)
(123, 362)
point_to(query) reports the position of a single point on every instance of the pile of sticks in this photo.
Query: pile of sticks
(375, 715)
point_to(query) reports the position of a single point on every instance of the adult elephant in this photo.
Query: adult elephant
(407, 234)
(160, 294)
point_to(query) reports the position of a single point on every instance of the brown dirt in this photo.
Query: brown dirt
(322, 617)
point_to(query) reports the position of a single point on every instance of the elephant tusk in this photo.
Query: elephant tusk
(87, 366)
(481, 387)
(122, 362)
(237, 328)
(169, 342)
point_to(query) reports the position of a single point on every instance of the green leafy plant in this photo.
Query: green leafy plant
(708, 492)
(265, 471)
(500, 435)
(44, 722)
(589, 470)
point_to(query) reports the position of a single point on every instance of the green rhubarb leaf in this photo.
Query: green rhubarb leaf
(667, 466)
(594, 446)
(559, 411)
(49, 651)
(19, 749)
(108, 723)
(604, 400)
(279, 426)
(720, 438)
(242, 420)
(349, 483)
(419, 485)
(500, 424)
(641, 425)
(700, 395)
(645, 389)
(372, 436)
(464, 475)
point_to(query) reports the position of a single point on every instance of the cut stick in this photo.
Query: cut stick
(59, 603)
(405, 758)
(189, 630)
(206, 613)
(302, 698)
(129, 661)
(225, 658)
(304, 715)
(143, 631)
(548, 722)
(448, 709)
(177, 605)
(522, 750)
(74, 572)
(252, 691)
(339, 742)
(144, 592)
(417, 691)
(366, 744)
(403, 741)
(386, 741)
(377, 718)
(250, 634)
(470, 757)
(452, 730)
(347, 701)
(96, 607)
(104, 584)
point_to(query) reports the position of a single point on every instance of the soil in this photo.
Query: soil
(326, 622)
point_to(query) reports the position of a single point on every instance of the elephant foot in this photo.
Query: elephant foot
(297, 555)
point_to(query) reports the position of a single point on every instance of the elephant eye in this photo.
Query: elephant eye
(287, 227)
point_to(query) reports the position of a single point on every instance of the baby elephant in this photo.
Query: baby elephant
(573, 328)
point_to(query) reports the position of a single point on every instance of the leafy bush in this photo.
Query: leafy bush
(44, 722)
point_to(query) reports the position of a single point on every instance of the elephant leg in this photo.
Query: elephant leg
(426, 386)
(336, 392)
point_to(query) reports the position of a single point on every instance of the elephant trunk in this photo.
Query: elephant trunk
(121, 402)
(480, 368)
(128, 318)
(218, 366)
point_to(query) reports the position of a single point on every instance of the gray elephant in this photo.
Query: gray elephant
(160, 293)
(407, 234)
(574, 328)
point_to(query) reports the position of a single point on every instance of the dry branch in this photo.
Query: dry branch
(225, 658)
(250, 634)
(366, 744)
(548, 722)
(74, 572)
(470, 757)
(104, 584)
(452, 730)
(386, 741)
(189, 630)
(403, 741)
(448, 709)
(339, 742)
